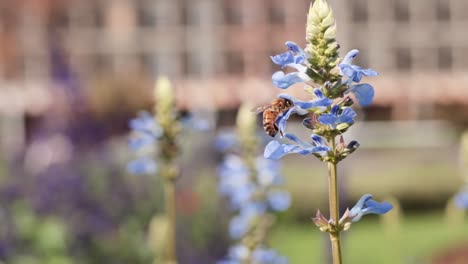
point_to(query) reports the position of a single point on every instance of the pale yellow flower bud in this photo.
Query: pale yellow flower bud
(164, 94)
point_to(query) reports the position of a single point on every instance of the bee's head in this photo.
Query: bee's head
(289, 103)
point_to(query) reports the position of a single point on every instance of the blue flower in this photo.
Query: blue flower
(268, 172)
(283, 81)
(334, 118)
(145, 132)
(275, 150)
(366, 205)
(146, 124)
(239, 225)
(279, 201)
(141, 141)
(295, 58)
(302, 107)
(364, 92)
(294, 55)
(354, 72)
(461, 200)
(264, 255)
(239, 252)
(225, 140)
(142, 165)
(198, 121)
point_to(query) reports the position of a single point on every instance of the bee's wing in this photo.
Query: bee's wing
(260, 109)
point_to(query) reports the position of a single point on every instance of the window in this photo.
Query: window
(444, 58)
(360, 12)
(403, 58)
(377, 112)
(276, 13)
(234, 62)
(443, 10)
(401, 10)
(146, 15)
(192, 64)
(232, 12)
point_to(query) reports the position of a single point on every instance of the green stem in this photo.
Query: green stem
(334, 207)
(169, 195)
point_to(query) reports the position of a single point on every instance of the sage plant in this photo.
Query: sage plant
(333, 83)
(252, 184)
(154, 139)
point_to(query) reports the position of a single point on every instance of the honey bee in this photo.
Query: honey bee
(271, 112)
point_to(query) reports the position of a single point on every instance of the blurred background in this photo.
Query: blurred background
(72, 73)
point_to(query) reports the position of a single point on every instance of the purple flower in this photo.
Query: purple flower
(275, 150)
(366, 205)
(335, 118)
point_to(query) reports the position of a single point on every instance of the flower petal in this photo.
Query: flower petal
(283, 59)
(364, 93)
(283, 118)
(274, 150)
(369, 72)
(366, 205)
(292, 46)
(348, 59)
(328, 119)
(347, 116)
(374, 207)
(283, 81)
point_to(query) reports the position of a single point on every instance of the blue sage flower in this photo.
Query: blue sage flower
(264, 255)
(145, 124)
(364, 92)
(142, 165)
(302, 107)
(335, 118)
(239, 254)
(354, 72)
(279, 200)
(275, 150)
(145, 132)
(461, 200)
(295, 58)
(366, 205)
(225, 140)
(294, 55)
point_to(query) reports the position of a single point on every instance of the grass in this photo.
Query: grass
(414, 240)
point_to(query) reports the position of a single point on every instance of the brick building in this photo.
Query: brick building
(218, 50)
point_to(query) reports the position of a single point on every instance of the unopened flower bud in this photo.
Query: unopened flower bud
(347, 102)
(343, 127)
